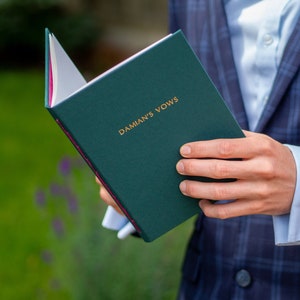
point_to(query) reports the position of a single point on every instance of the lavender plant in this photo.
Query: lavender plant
(86, 261)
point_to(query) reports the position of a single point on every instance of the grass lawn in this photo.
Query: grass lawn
(30, 149)
(86, 262)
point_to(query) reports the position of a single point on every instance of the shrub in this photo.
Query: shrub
(22, 24)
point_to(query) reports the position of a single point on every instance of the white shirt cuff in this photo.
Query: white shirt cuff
(115, 221)
(287, 227)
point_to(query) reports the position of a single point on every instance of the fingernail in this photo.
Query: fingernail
(182, 187)
(185, 150)
(180, 167)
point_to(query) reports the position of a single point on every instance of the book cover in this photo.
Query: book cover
(129, 123)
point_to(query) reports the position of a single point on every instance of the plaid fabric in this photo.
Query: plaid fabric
(219, 250)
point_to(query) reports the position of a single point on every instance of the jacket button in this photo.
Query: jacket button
(243, 278)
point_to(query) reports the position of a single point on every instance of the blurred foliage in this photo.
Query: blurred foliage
(22, 24)
(86, 261)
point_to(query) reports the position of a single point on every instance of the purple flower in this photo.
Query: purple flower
(64, 166)
(72, 203)
(58, 227)
(40, 198)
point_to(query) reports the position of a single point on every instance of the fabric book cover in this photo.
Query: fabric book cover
(129, 123)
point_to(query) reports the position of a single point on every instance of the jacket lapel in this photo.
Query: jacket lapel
(287, 70)
(227, 74)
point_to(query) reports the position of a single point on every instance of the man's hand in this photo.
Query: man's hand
(106, 197)
(265, 173)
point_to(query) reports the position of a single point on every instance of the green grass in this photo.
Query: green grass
(88, 262)
(30, 148)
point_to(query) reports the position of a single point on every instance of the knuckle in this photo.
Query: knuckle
(189, 167)
(218, 211)
(222, 213)
(220, 170)
(267, 170)
(257, 206)
(220, 192)
(192, 189)
(266, 145)
(263, 191)
(225, 148)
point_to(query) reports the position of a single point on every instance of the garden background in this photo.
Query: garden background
(52, 245)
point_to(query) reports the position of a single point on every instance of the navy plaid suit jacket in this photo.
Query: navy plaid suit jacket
(237, 258)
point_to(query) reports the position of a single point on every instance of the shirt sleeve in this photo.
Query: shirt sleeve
(114, 221)
(286, 227)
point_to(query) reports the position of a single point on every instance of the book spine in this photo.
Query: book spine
(81, 152)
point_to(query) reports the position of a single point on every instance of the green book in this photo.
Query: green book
(129, 123)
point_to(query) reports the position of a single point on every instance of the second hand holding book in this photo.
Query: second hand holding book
(129, 123)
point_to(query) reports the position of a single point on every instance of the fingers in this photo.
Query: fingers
(219, 148)
(227, 210)
(264, 170)
(213, 168)
(220, 190)
(98, 181)
(242, 148)
(107, 198)
(225, 169)
(237, 208)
